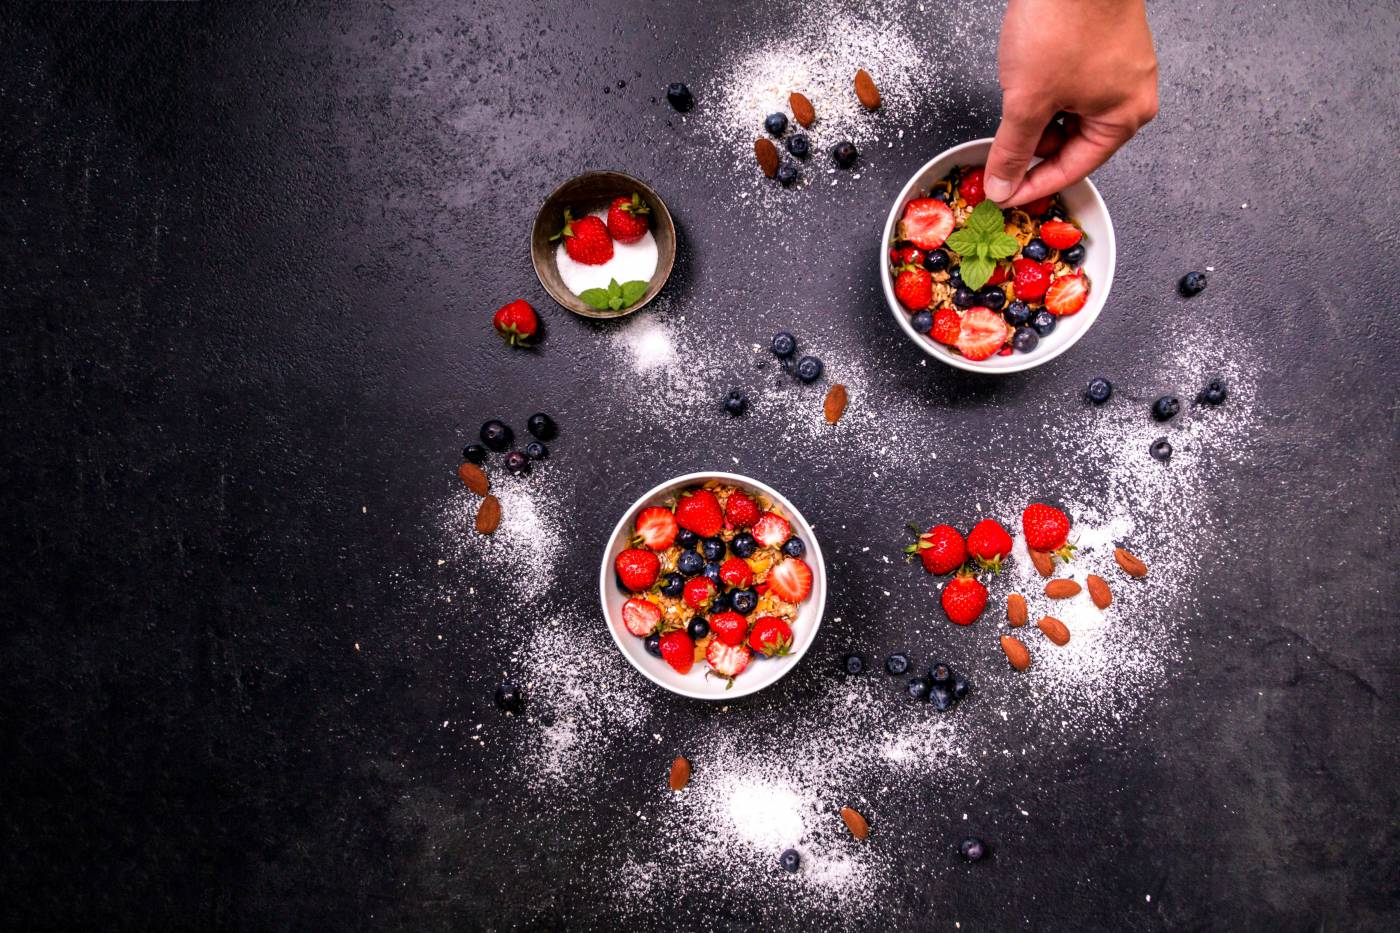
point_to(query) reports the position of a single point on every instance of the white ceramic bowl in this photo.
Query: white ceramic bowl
(762, 671)
(1084, 205)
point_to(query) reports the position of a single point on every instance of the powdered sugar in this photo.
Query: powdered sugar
(524, 549)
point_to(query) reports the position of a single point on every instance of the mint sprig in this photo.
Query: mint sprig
(615, 297)
(981, 241)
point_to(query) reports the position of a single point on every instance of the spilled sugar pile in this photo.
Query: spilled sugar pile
(524, 551)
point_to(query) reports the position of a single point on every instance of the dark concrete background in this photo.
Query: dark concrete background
(246, 273)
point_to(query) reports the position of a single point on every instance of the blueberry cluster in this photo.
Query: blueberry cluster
(807, 368)
(1164, 408)
(496, 436)
(942, 686)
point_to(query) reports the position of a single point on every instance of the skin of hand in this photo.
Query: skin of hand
(1100, 71)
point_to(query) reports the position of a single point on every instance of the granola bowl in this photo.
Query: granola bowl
(1083, 207)
(770, 569)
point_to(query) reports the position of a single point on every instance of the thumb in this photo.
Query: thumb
(1023, 120)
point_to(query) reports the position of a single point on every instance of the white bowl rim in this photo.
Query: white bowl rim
(1098, 297)
(814, 551)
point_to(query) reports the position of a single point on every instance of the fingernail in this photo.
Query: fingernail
(998, 189)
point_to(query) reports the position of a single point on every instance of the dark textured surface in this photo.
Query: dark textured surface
(248, 260)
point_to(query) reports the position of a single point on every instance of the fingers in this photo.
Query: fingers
(1023, 121)
(1081, 154)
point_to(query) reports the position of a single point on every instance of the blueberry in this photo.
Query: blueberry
(736, 402)
(744, 601)
(809, 369)
(790, 860)
(690, 563)
(991, 297)
(1166, 407)
(542, 426)
(1056, 212)
(712, 571)
(1074, 255)
(919, 687)
(972, 849)
(784, 344)
(844, 154)
(941, 697)
(517, 463)
(653, 644)
(536, 451)
(854, 663)
(922, 321)
(793, 547)
(1214, 393)
(961, 685)
(936, 260)
(1036, 249)
(897, 664)
(799, 146)
(712, 548)
(1024, 340)
(686, 539)
(964, 297)
(1044, 323)
(941, 194)
(787, 175)
(510, 697)
(720, 602)
(496, 435)
(1017, 313)
(698, 628)
(474, 453)
(775, 123)
(674, 585)
(1192, 283)
(743, 545)
(940, 673)
(1160, 449)
(679, 96)
(955, 278)
(1098, 391)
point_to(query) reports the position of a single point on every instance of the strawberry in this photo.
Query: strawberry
(698, 592)
(771, 637)
(983, 332)
(1067, 294)
(1039, 206)
(947, 325)
(1046, 529)
(699, 511)
(940, 548)
(740, 511)
(656, 528)
(791, 581)
(914, 288)
(1058, 234)
(907, 256)
(586, 239)
(641, 616)
(771, 529)
(1000, 273)
(963, 599)
(637, 569)
(926, 223)
(728, 661)
(627, 218)
(735, 572)
(971, 187)
(729, 627)
(1032, 279)
(988, 543)
(516, 322)
(678, 650)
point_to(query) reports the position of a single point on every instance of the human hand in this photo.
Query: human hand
(1100, 71)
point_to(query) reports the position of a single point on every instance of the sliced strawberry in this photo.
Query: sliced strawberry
(771, 530)
(983, 332)
(698, 593)
(771, 637)
(926, 223)
(641, 616)
(678, 651)
(740, 511)
(729, 627)
(699, 511)
(947, 325)
(1067, 294)
(1058, 234)
(971, 187)
(735, 571)
(656, 527)
(1032, 278)
(914, 288)
(791, 581)
(728, 661)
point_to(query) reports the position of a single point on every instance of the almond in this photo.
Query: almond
(1099, 592)
(1129, 562)
(1016, 612)
(1044, 563)
(855, 823)
(476, 480)
(802, 109)
(1061, 589)
(866, 90)
(680, 773)
(835, 403)
(1016, 652)
(767, 155)
(488, 516)
(1054, 630)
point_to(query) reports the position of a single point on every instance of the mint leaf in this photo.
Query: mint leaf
(985, 220)
(595, 298)
(634, 290)
(976, 270)
(616, 303)
(963, 241)
(1002, 245)
(614, 290)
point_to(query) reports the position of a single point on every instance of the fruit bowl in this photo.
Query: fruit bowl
(761, 672)
(1083, 204)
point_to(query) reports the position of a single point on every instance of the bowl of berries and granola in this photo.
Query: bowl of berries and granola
(713, 585)
(991, 290)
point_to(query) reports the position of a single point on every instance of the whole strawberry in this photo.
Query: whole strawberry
(677, 650)
(517, 322)
(729, 627)
(988, 543)
(586, 239)
(941, 549)
(735, 572)
(914, 287)
(698, 593)
(771, 637)
(699, 511)
(963, 599)
(740, 511)
(637, 569)
(627, 218)
(1046, 529)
